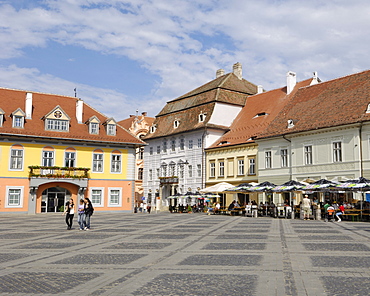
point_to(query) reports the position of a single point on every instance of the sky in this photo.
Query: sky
(135, 55)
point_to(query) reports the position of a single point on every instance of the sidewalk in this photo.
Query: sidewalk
(182, 254)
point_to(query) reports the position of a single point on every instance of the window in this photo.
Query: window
(70, 159)
(182, 144)
(97, 162)
(202, 117)
(140, 174)
(16, 158)
(240, 167)
(150, 175)
(151, 150)
(115, 197)
(14, 197)
(181, 171)
(212, 170)
(47, 158)
(190, 144)
(164, 145)
(57, 125)
(141, 153)
(308, 154)
(268, 159)
(284, 157)
(221, 169)
(176, 124)
(190, 171)
(1, 118)
(252, 166)
(94, 128)
(116, 163)
(199, 170)
(164, 170)
(199, 143)
(111, 129)
(158, 149)
(158, 173)
(18, 121)
(337, 151)
(173, 145)
(97, 197)
(172, 169)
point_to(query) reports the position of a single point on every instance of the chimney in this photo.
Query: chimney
(29, 106)
(237, 70)
(220, 72)
(259, 89)
(291, 81)
(79, 110)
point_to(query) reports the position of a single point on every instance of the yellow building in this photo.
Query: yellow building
(53, 148)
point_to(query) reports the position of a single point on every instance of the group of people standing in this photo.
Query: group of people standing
(84, 210)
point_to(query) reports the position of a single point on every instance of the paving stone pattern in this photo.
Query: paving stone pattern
(181, 254)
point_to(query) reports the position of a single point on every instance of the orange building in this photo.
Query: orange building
(53, 148)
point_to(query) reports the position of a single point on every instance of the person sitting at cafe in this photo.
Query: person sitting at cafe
(231, 206)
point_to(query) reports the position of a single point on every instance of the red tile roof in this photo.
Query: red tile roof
(42, 104)
(186, 109)
(328, 104)
(256, 115)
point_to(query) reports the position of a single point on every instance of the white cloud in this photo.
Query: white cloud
(268, 37)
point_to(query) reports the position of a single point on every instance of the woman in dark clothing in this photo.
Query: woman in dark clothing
(89, 210)
(69, 212)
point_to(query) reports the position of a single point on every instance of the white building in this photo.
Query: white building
(322, 133)
(174, 158)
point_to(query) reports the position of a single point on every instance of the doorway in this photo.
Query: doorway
(53, 199)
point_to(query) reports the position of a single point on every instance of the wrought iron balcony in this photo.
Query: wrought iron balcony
(54, 172)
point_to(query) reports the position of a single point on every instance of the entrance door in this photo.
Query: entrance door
(54, 199)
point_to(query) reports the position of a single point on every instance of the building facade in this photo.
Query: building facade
(139, 126)
(234, 157)
(322, 133)
(175, 157)
(55, 147)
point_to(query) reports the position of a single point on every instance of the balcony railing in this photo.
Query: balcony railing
(58, 172)
(168, 180)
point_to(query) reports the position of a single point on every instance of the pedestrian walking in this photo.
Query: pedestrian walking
(89, 210)
(81, 215)
(69, 211)
(306, 207)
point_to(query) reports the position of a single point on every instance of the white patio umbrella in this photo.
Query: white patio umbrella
(217, 188)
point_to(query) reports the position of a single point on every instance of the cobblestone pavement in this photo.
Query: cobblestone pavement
(182, 254)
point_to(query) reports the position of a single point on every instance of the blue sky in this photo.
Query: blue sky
(124, 56)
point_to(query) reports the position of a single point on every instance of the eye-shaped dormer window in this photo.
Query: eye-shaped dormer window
(153, 128)
(176, 123)
(202, 117)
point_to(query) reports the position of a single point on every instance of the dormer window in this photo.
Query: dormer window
(368, 108)
(202, 117)
(1, 117)
(260, 114)
(290, 123)
(18, 118)
(111, 129)
(176, 123)
(111, 126)
(57, 120)
(153, 128)
(93, 123)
